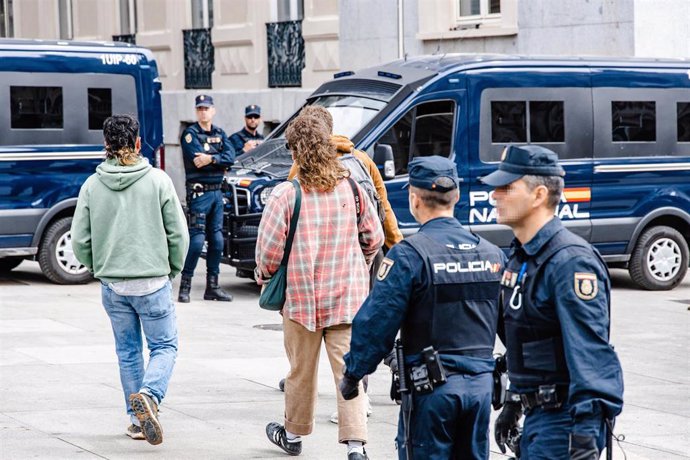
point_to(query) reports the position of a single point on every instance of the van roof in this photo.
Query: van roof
(442, 63)
(65, 45)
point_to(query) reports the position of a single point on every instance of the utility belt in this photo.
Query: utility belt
(547, 397)
(197, 187)
(424, 377)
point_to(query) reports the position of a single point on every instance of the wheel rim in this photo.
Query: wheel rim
(64, 254)
(664, 259)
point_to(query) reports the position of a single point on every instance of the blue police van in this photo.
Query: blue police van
(54, 98)
(621, 128)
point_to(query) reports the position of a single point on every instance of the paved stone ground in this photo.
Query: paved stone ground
(60, 394)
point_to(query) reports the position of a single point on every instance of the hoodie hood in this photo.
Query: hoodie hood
(342, 143)
(117, 177)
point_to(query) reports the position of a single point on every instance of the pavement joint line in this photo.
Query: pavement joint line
(657, 449)
(82, 448)
(27, 425)
(657, 410)
(656, 378)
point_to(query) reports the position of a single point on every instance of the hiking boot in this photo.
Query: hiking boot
(185, 288)
(357, 456)
(276, 434)
(146, 410)
(213, 290)
(135, 432)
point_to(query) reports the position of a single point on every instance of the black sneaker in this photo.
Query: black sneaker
(147, 412)
(276, 434)
(357, 456)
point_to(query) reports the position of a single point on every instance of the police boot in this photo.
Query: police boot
(185, 287)
(214, 292)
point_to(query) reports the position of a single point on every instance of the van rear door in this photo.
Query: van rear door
(548, 106)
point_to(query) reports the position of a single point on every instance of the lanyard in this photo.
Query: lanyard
(516, 298)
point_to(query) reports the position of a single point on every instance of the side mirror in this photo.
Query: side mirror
(384, 159)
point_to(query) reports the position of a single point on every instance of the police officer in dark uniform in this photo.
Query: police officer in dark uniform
(440, 287)
(248, 137)
(555, 290)
(207, 155)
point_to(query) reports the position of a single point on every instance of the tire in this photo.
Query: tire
(660, 259)
(8, 264)
(56, 258)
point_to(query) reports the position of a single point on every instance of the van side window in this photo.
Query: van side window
(36, 107)
(508, 121)
(433, 129)
(633, 121)
(425, 130)
(100, 106)
(546, 121)
(683, 109)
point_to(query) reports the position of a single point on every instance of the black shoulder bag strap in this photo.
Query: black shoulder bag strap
(293, 222)
(358, 199)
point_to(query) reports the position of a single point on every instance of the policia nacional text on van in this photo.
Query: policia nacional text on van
(440, 288)
(555, 293)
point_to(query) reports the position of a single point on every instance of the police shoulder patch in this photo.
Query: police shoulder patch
(384, 269)
(586, 285)
(188, 138)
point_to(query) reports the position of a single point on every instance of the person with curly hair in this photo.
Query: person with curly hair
(130, 231)
(327, 279)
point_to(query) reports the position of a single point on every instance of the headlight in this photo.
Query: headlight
(263, 196)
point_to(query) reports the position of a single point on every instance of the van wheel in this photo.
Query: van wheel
(9, 263)
(660, 259)
(56, 256)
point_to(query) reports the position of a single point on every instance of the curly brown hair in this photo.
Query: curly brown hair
(120, 133)
(321, 113)
(318, 166)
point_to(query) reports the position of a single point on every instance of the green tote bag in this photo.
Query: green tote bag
(273, 295)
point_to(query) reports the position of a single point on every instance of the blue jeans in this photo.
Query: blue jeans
(156, 314)
(205, 223)
(452, 422)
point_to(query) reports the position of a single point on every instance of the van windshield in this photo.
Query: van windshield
(350, 115)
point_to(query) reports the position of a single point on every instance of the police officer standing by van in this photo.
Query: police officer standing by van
(556, 291)
(248, 137)
(207, 155)
(440, 287)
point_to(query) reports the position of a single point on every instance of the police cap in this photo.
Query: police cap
(533, 160)
(425, 173)
(252, 111)
(203, 100)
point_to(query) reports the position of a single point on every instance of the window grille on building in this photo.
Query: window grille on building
(198, 58)
(285, 53)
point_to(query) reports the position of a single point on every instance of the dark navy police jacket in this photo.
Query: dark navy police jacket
(241, 137)
(557, 330)
(214, 142)
(441, 286)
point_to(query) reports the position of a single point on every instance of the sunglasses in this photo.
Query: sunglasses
(253, 117)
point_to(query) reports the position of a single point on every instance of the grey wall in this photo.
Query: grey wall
(563, 27)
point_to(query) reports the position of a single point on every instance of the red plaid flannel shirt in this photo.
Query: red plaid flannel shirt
(327, 274)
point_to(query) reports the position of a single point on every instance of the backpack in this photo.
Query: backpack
(359, 173)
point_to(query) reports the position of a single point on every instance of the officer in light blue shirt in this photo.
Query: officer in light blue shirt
(555, 291)
(440, 288)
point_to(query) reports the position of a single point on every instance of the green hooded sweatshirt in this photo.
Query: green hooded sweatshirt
(129, 223)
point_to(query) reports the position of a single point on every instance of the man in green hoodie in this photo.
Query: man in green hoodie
(129, 229)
